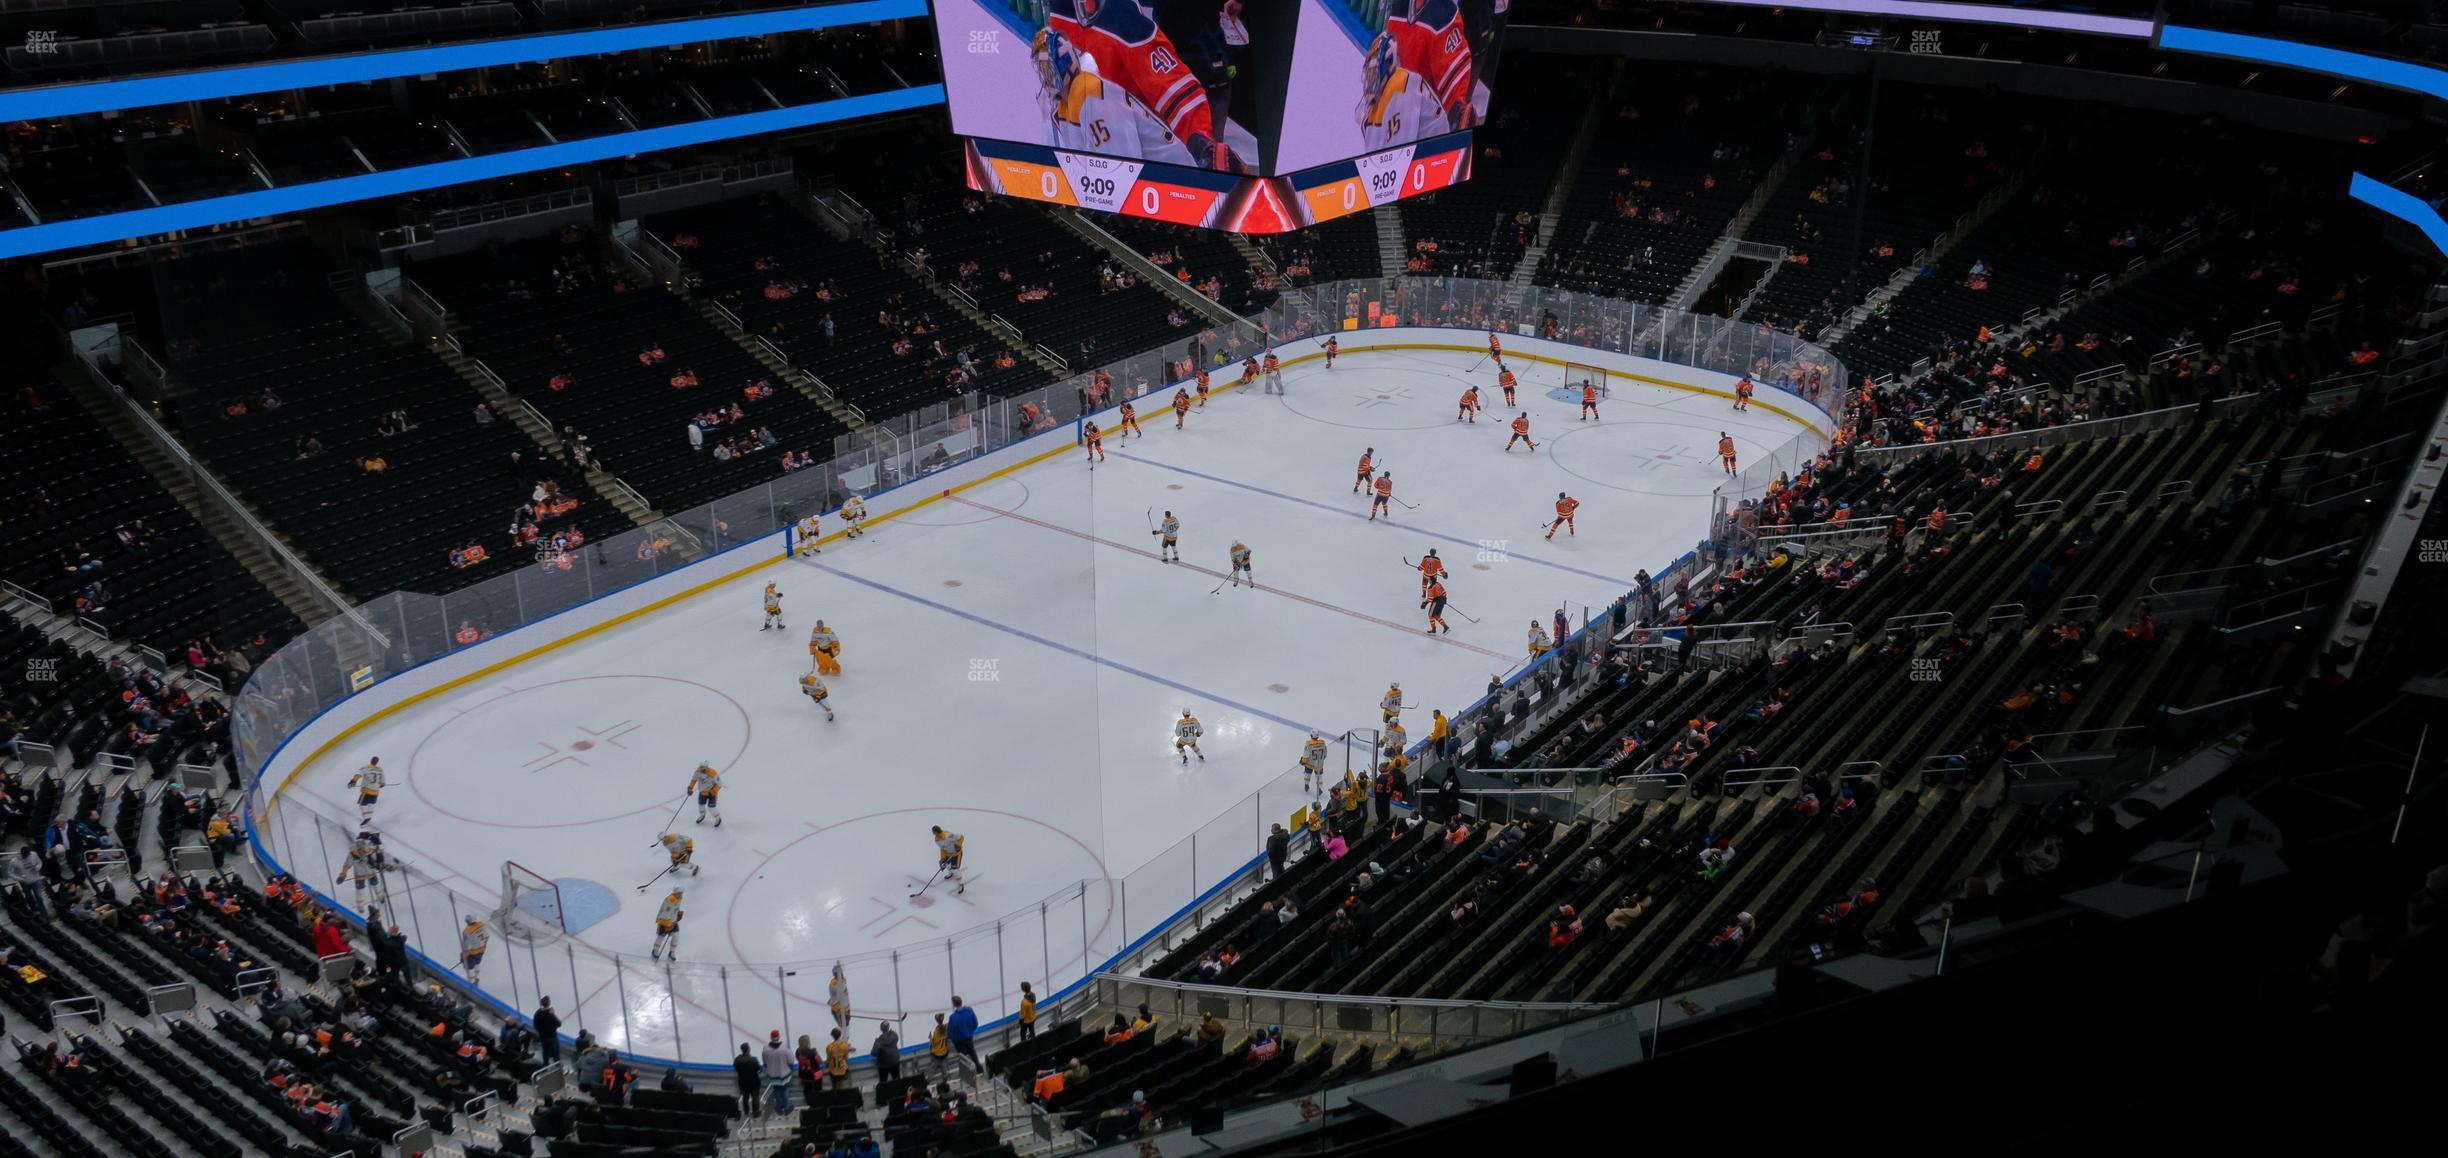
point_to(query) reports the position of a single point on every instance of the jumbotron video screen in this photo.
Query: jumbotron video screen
(1256, 116)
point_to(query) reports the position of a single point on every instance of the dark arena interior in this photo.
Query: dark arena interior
(2033, 739)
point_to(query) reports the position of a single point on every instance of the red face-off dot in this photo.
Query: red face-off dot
(951, 582)
(1279, 689)
(582, 745)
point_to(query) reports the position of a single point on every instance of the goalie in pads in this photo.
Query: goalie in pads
(1084, 111)
(1396, 105)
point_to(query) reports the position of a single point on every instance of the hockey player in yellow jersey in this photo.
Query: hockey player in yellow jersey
(814, 689)
(1241, 565)
(705, 784)
(803, 541)
(683, 852)
(667, 925)
(824, 648)
(472, 940)
(1186, 733)
(1392, 704)
(1313, 763)
(1539, 642)
(773, 607)
(950, 849)
(853, 514)
(1395, 738)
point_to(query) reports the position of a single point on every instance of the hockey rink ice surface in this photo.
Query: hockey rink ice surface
(1014, 659)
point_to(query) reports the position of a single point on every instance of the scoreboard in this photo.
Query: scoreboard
(1212, 199)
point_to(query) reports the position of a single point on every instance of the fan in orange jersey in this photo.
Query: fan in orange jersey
(1202, 387)
(1470, 406)
(1096, 444)
(1385, 494)
(1431, 569)
(1130, 423)
(1432, 597)
(1367, 469)
(1565, 506)
(1589, 399)
(1181, 407)
(1521, 432)
(1506, 382)
(1725, 450)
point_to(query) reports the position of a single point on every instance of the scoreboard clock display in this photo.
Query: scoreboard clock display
(1216, 200)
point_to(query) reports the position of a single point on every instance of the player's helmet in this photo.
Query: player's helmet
(1377, 67)
(669, 838)
(1057, 62)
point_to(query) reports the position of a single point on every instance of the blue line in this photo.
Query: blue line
(1473, 544)
(1065, 648)
(209, 211)
(108, 95)
(2337, 62)
(2400, 204)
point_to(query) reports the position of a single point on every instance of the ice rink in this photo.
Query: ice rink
(1015, 655)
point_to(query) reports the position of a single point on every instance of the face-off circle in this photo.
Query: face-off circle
(576, 751)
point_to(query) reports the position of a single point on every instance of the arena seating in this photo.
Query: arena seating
(299, 451)
(1203, 255)
(1343, 248)
(165, 584)
(556, 307)
(1480, 228)
(1935, 154)
(70, 40)
(1674, 153)
(747, 254)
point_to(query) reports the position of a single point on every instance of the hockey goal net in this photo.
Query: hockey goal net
(530, 908)
(1576, 373)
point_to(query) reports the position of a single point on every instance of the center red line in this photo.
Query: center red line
(1033, 521)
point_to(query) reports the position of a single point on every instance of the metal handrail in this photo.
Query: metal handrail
(1347, 998)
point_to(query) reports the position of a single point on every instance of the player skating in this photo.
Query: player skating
(667, 925)
(1394, 740)
(1186, 733)
(1539, 642)
(683, 852)
(1085, 111)
(706, 785)
(1202, 388)
(1384, 495)
(1096, 444)
(853, 516)
(1589, 400)
(837, 995)
(1169, 550)
(1743, 390)
(1181, 407)
(1249, 370)
(1331, 350)
(1565, 506)
(1725, 451)
(472, 940)
(950, 848)
(1390, 705)
(369, 785)
(1274, 373)
(1470, 406)
(1521, 433)
(824, 649)
(817, 693)
(1396, 105)
(773, 608)
(1496, 349)
(1313, 763)
(1432, 597)
(810, 530)
(364, 863)
(1241, 565)
(1129, 424)
(1431, 569)
(1506, 382)
(1368, 470)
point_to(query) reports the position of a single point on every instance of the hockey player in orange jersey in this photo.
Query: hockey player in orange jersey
(1431, 569)
(1202, 388)
(1469, 411)
(1521, 433)
(1725, 451)
(1181, 407)
(1368, 469)
(1506, 382)
(1385, 495)
(1096, 444)
(1130, 423)
(1565, 506)
(1589, 400)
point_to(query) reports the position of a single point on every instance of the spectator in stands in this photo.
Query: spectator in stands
(887, 1054)
(673, 1083)
(748, 1075)
(1264, 1047)
(939, 1048)
(779, 1069)
(25, 874)
(1210, 1032)
(837, 1061)
(962, 1029)
(618, 1076)
(1340, 934)
(547, 1029)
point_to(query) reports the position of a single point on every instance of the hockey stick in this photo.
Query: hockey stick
(1406, 506)
(930, 883)
(1474, 367)
(1458, 611)
(658, 876)
(1219, 587)
(675, 819)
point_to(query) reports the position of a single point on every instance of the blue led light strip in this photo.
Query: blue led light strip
(210, 211)
(107, 95)
(2337, 62)
(2398, 203)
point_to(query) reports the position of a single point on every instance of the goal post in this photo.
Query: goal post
(1575, 373)
(530, 908)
